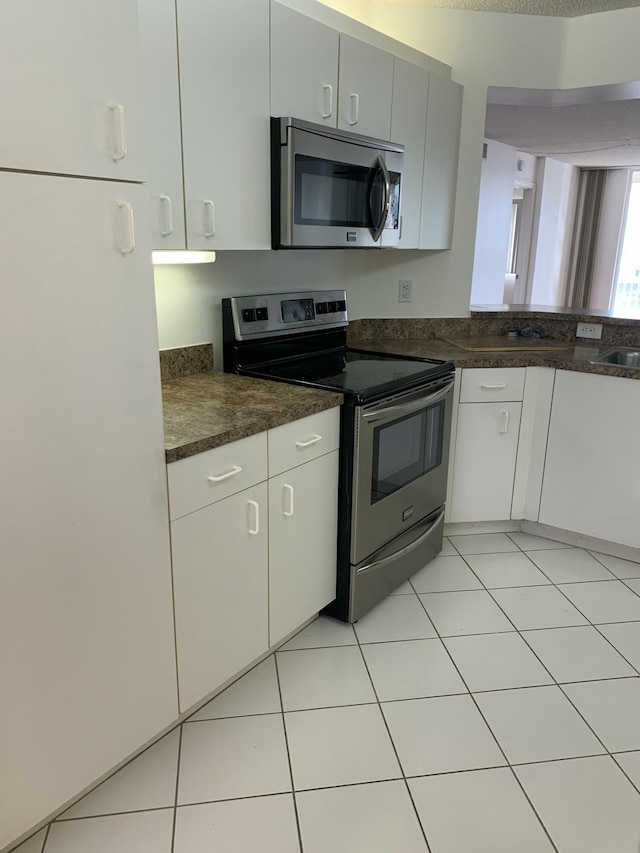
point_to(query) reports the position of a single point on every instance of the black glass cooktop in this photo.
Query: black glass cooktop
(360, 376)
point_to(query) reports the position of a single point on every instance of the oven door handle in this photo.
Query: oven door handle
(387, 412)
(377, 564)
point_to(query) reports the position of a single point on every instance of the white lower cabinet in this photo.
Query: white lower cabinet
(591, 481)
(220, 576)
(485, 461)
(302, 543)
(252, 558)
(486, 444)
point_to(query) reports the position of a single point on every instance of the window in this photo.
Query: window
(625, 297)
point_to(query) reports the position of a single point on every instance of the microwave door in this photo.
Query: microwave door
(379, 198)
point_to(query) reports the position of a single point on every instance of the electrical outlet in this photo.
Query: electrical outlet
(405, 290)
(589, 330)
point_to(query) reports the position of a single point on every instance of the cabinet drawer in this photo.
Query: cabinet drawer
(215, 474)
(488, 385)
(302, 440)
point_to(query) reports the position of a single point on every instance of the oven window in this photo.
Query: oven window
(406, 449)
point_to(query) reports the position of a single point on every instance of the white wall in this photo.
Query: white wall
(601, 49)
(556, 193)
(482, 47)
(494, 220)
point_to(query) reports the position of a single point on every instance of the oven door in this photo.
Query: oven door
(401, 455)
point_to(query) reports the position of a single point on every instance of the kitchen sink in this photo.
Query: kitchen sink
(620, 357)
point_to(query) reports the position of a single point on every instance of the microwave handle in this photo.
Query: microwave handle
(386, 412)
(382, 167)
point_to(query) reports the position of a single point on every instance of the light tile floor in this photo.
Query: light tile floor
(491, 705)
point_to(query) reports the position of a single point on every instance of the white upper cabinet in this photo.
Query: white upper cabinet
(408, 125)
(442, 145)
(366, 88)
(224, 84)
(161, 112)
(70, 98)
(304, 67)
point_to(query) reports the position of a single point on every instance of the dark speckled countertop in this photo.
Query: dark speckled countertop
(574, 357)
(207, 410)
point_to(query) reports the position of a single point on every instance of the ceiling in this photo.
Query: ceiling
(596, 127)
(552, 8)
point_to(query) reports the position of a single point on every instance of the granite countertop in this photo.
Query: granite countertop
(207, 410)
(574, 357)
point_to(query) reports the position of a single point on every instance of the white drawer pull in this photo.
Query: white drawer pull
(499, 387)
(232, 473)
(314, 440)
(288, 490)
(328, 100)
(255, 529)
(209, 219)
(129, 243)
(354, 101)
(120, 149)
(167, 215)
(505, 415)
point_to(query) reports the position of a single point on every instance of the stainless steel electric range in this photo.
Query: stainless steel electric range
(395, 425)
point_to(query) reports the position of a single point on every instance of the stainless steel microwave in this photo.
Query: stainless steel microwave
(332, 189)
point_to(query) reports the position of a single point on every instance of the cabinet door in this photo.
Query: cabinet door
(366, 88)
(485, 461)
(87, 655)
(304, 67)
(408, 123)
(161, 111)
(70, 97)
(444, 116)
(220, 588)
(303, 510)
(591, 479)
(224, 88)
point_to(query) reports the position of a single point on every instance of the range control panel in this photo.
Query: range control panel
(281, 313)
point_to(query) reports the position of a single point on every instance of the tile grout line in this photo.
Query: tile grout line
(393, 745)
(564, 693)
(115, 814)
(175, 796)
(508, 763)
(555, 681)
(286, 742)
(636, 669)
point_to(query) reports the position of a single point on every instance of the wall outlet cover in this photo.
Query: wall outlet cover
(589, 330)
(405, 290)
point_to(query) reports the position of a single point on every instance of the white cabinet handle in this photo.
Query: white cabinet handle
(505, 415)
(354, 100)
(129, 242)
(209, 218)
(499, 387)
(254, 529)
(328, 100)
(314, 440)
(235, 469)
(167, 216)
(288, 490)
(120, 149)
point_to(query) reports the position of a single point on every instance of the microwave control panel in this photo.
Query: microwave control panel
(281, 313)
